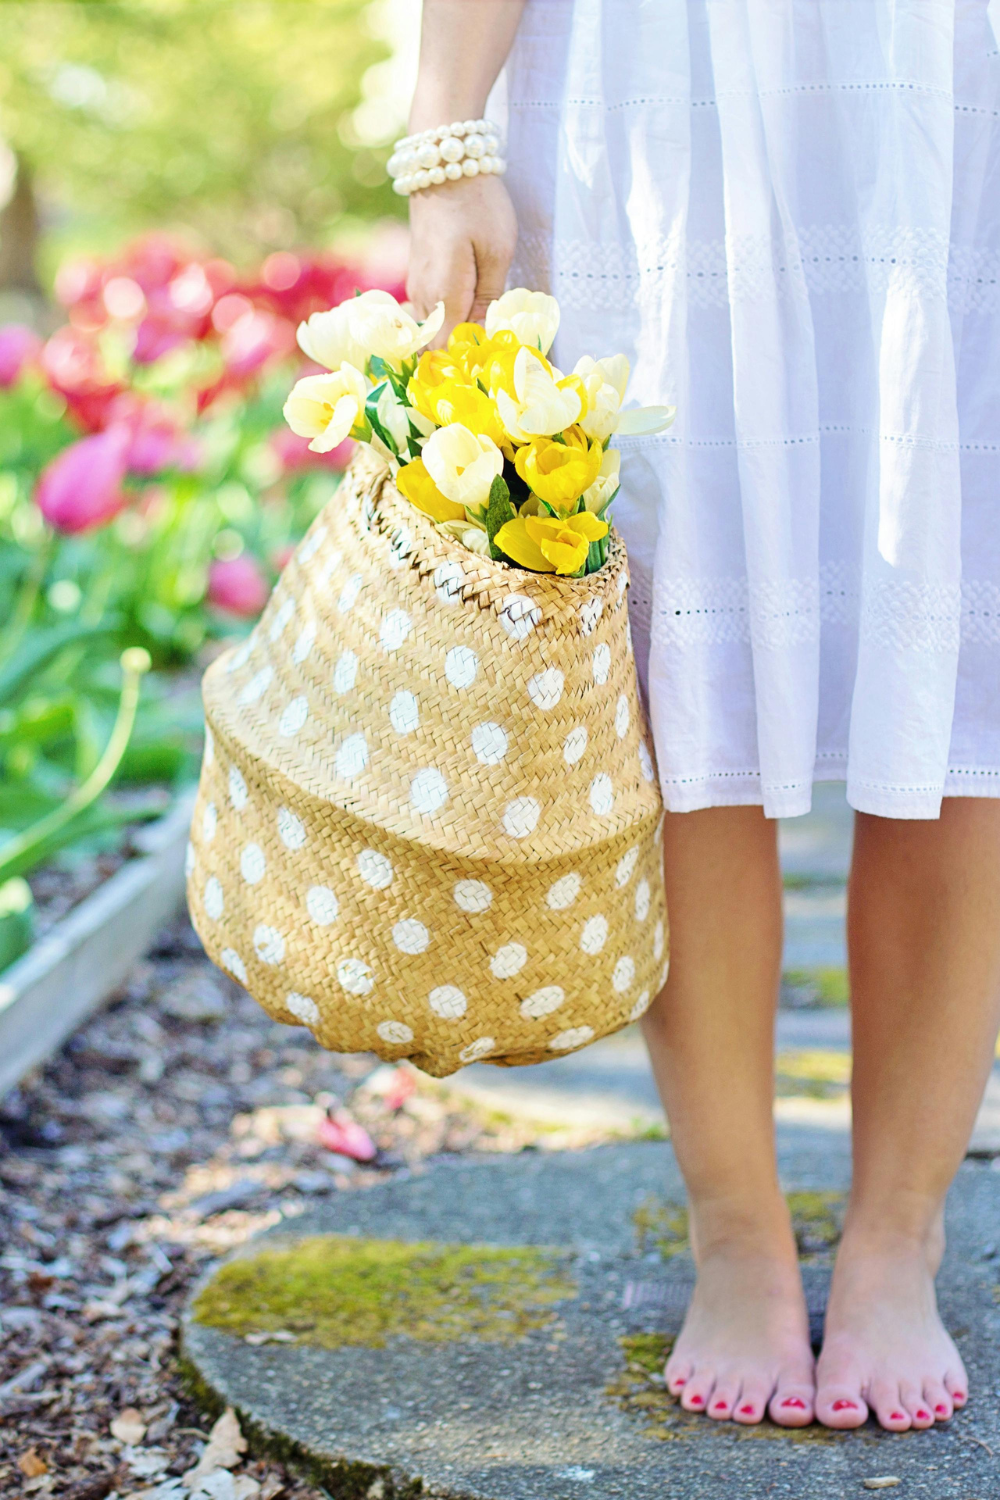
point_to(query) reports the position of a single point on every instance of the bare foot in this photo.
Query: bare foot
(744, 1348)
(886, 1349)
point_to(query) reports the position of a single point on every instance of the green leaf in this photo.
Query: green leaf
(498, 512)
(39, 650)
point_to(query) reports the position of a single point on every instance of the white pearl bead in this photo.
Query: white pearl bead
(500, 167)
(395, 164)
(436, 175)
(485, 166)
(492, 145)
(471, 126)
(474, 145)
(421, 180)
(401, 186)
(453, 171)
(451, 149)
(428, 155)
(470, 167)
(456, 128)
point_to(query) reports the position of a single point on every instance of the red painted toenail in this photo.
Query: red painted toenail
(747, 1411)
(794, 1401)
(943, 1409)
(896, 1416)
(923, 1416)
(679, 1383)
(720, 1406)
(959, 1396)
(845, 1406)
(697, 1400)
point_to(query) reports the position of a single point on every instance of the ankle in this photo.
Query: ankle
(897, 1229)
(757, 1228)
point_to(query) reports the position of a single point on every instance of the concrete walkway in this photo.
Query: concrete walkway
(574, 1407)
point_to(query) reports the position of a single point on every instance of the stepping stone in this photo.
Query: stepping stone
(544, 1290)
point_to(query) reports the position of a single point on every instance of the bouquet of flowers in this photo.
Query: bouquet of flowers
(487, 437)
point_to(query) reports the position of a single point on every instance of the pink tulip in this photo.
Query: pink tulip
(157, 442)
(72, 364)
(237, 585)
(18, 346)
(253, 341)
(295, 454)
(341, 1133)
(82, 487)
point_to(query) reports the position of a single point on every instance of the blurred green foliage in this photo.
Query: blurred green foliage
(230, 116)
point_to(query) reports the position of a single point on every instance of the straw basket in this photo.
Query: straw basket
(428, 823)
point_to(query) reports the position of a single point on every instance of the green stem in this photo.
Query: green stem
(135, 663)
(27, 597)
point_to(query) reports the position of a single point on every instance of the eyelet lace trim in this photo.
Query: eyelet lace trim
(827, 260)
(898, 616)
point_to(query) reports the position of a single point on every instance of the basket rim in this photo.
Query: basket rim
(391, 509)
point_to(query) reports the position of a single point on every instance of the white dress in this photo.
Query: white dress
(787, 214)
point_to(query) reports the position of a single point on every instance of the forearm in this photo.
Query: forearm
(463, 46)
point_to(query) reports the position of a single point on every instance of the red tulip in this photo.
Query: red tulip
(341, 1133)
(73, 366)
(82, 487)
(18, 347)
(237, 585)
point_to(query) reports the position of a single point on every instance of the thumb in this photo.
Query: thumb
(491, 278)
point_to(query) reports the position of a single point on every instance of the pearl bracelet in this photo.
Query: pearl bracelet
(466, 148)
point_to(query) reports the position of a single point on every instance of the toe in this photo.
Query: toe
(841, 1406)
(751, 1404)
(698, 1390)
(937, 1400)
(912, 1397)
(889, 1404)
(957, 1387)
(723, 1399)
(792, 1405)
(676, 1375)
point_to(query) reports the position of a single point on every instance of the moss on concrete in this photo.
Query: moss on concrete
(815, 987)
(816, 1220)
(334, 1290)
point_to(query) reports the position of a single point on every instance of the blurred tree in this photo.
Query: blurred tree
(231, 116)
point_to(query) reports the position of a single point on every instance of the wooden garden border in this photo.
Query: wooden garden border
(47, 992)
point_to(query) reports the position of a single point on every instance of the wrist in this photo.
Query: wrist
(440, 106)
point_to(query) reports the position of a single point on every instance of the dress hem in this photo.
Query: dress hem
(792, 800)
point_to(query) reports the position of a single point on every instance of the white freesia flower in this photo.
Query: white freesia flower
(326, 407)
(605, 381)
(396, 418)
(472, 536)
(533, 317)
(371, 324)
(327, 338)
(607, 481)
(462, 464)
(541, 408)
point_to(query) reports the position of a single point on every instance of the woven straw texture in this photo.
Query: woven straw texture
(429, 824)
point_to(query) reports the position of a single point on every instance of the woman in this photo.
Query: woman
(788, 213)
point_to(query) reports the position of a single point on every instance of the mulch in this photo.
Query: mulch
(176, 1123)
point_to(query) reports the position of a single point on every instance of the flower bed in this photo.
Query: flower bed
(149, 495)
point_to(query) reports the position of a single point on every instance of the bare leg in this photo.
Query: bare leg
(744, 1348)
(924, 938)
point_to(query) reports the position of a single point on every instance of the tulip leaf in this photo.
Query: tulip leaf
(39, 650)
(498, 512)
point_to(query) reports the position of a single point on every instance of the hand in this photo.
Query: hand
(462, 237)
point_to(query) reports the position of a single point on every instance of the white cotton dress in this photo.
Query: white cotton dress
(787, 214)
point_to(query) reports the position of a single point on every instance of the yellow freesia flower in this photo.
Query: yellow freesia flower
(559, 473)
(457, 402)
(550, 544)
(491, 361)
(435, 367)
(608, 479)
(416, 484)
